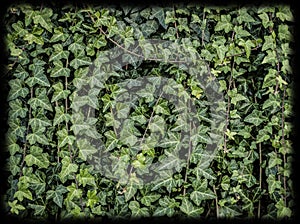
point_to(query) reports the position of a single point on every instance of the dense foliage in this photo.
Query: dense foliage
(64, 96)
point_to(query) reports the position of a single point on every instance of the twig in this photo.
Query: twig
(260, 178)
(27, 132)
(188, 160)
(216, 200)
(228, 110)
(283, 142)
(175, 24)
(202, 32)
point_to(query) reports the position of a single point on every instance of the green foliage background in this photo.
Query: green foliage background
(249, 51)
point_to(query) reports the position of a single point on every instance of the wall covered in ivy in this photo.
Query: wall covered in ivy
(149, 111)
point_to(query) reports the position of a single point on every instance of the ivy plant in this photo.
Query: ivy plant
(67, 94)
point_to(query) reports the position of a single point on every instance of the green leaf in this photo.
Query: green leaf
(34, 39)
(149, 27)
(80, 61)
(111, 141)
(284, 13)
(15, 207)
(38, 209)
(67, 169)
(39, 122)
(158, 13)
(37, 136)
(59, 70)
(85, 149)
(60, 116)
(64, 138)
(148, 199)
(58, 35)
(282, 210)
(160, 211)
(59, 92)
(74, 192)
(57, 55)
(269, 43)
(23, 193)
(198, 196)
(188, 208)
(17, 109)
(57, 195)
(270, 78)
(284, 33)
(36, 157)
(85, 178)
(131, 190)
(157, 124)
(17, 89)
(39, 78)
(41, 100)
(224, 24)
(44, 19)
(254, 118)
(137, 211)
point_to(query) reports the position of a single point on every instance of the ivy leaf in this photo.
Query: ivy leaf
(112, 140)
(64, 138)
(59, 53)
(131, 190)
(149, 27)
(269, 43)
(37, 157)
(58, 35)
(85, 149)
(34, 39)
(270, 78)
(17, 89)
(224, 24)
(158, 13)
(254, 118)
(60, 116)
(37, 136)
(284, 13)
(148, 199)
(166, 180)
(41, 100)
(80, 61)
(57, 195)
(74, 192)
(59, 92)
(59, 70)
(188, 208)
(85, 178)
(137, 211)
(44, 19)
(39, 78)
(160, 211)
(17, 109)
(39, 122)
(67, 169)
(197, 196)
(21, 72)
(157, 124)
(38, 209)
(23, 193)
(14, 207)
